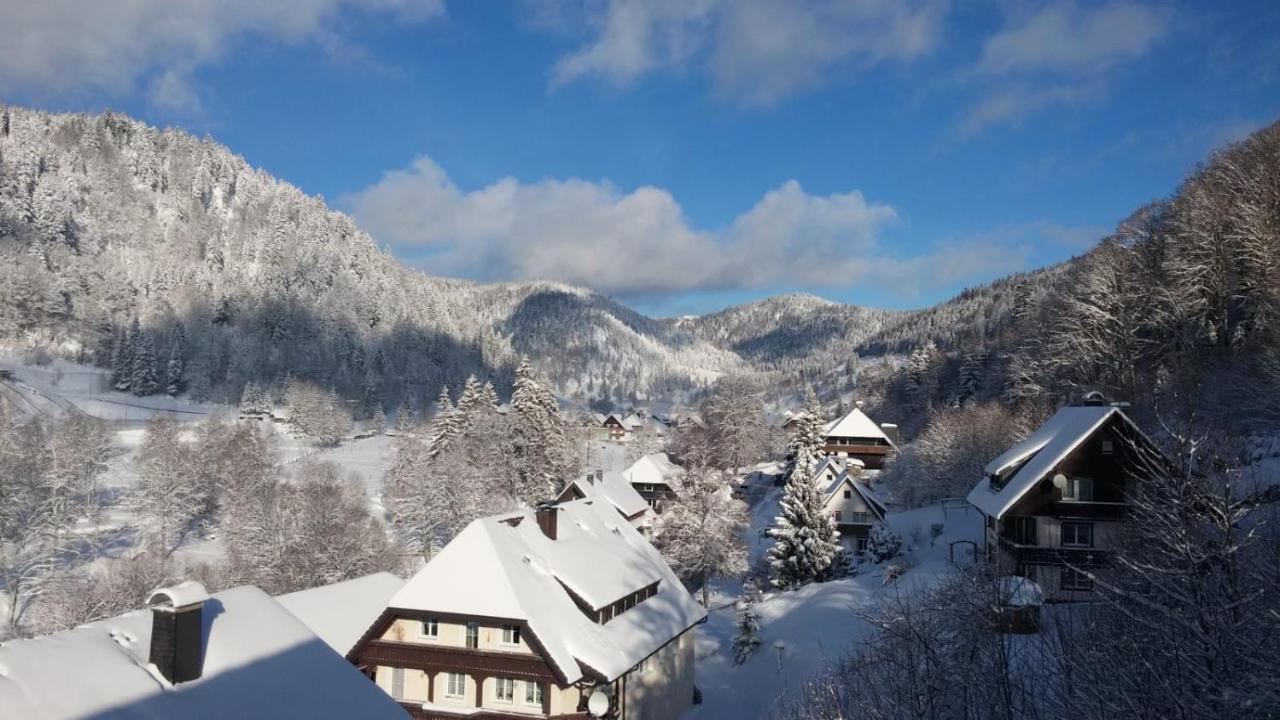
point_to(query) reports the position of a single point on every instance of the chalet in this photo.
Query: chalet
(1055, 503)
(549, 613)
(614, 428)
(238, 653)
(611, 487)
(849, 500)
(856, 436)
(656, 479)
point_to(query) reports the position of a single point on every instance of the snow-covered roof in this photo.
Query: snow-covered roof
(632, 422)
(855, 424)
(259, 661)
(654, 469)
(340, 613)
(512, 570)
(1033, 458)
(614, 489)
(1017, 591)
(870, 498)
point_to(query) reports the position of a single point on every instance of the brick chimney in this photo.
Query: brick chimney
(177, 630)
(545, 513)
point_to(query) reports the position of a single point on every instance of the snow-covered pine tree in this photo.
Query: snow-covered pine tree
(748, 623)
(174, 368)
(371, 402)
(404, 414)
(251, 400)
(804, 450)
(446, 425)
(124, 371)
(471, 400)
(971, 371)
(806, 541)
(884, 543)
(378, 423)
(489, 396)
(120, 360)
(144, 379)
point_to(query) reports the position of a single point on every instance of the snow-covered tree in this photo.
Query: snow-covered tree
(174, 367)
(167, 500)
(702, 529)
(804, 450)
(144, 379)
(539, 442)
(254, 401)
(884, 543)
(446, 424)
(806, 541)
(748, 625)
(404, 415)
(317, 413)
(734, 416)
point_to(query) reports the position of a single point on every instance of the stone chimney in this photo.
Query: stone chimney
(177, 630)
(546, 515)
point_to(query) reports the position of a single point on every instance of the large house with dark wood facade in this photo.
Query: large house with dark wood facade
(656, 479)
(856, 436)
(1056, 502)
(561, 612)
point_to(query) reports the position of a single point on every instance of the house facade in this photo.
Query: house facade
(561, 612)
(656, 479)
(849, 501)
(1055, 504)
(856, 436)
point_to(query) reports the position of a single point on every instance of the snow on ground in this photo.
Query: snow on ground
(805, 630)
(52, 389)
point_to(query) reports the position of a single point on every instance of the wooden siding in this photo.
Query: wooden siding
(439, 658)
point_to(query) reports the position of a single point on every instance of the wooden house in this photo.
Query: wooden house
(856, 436)
(1056, 502)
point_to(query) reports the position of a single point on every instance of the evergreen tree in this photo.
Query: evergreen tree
(971, 376)
(471, 400)
(404, 415)
(120, 360)
(371, 403)
(804, 450)
(806, 541)
(378, 423)
(884, 543)
(174, 368)
(254, 402)
(748, 622)
(489, 396)
(144, 379)
(124, 372)
(539, 441)
(446, 425)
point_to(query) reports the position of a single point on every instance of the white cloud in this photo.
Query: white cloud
(754, 51)
(640, 243)
(1061, 54)
(59, 46)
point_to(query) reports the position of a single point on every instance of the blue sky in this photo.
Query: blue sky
(684, 155)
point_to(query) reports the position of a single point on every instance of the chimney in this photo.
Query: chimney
(177, 630)
(599, 475)
(1093, 398)
(546, 516)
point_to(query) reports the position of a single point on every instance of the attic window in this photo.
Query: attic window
(1108, 447)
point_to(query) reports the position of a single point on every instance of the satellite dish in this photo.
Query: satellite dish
(1060, 481)
(598, 703)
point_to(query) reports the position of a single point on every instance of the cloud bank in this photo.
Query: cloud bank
(639, 243)
(64, 46)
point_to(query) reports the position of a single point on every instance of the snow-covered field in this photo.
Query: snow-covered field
(806, 629)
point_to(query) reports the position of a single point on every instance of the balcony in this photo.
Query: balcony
(1045, 555)
(1090, 509)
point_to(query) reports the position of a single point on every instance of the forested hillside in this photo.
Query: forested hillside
(233, 276)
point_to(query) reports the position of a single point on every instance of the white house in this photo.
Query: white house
(233, 654)
(541, 613)
(850, 502)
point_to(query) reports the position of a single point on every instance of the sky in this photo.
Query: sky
(684, 155)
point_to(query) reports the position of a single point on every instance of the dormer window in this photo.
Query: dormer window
(510, 634)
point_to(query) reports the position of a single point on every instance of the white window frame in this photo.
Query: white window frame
(462, 683)
(512, 632)
(534, 689)
(1072, 492)
(430, 628)
(498, 685)
(472, 629)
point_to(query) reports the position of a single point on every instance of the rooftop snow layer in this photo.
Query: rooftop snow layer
(654, 469)
(340, 613)
(1041, 451)
(514, 571)
(869, 497)
(259, 661)
(855, 425)
(615, 489)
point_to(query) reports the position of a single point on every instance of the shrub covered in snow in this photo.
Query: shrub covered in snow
(884, 543)
(748, 637)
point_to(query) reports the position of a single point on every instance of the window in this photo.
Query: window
(430, 628)
(848, 494)
(397, 683)
(473, 635)
(457, 685)
(1021, 529)
(1073, 579)
(1108, 447)
(504, 689)
(861, 544)
(1076, 534)
(836, 516)
(1078, 489)
(532, 693)
(510, 634)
